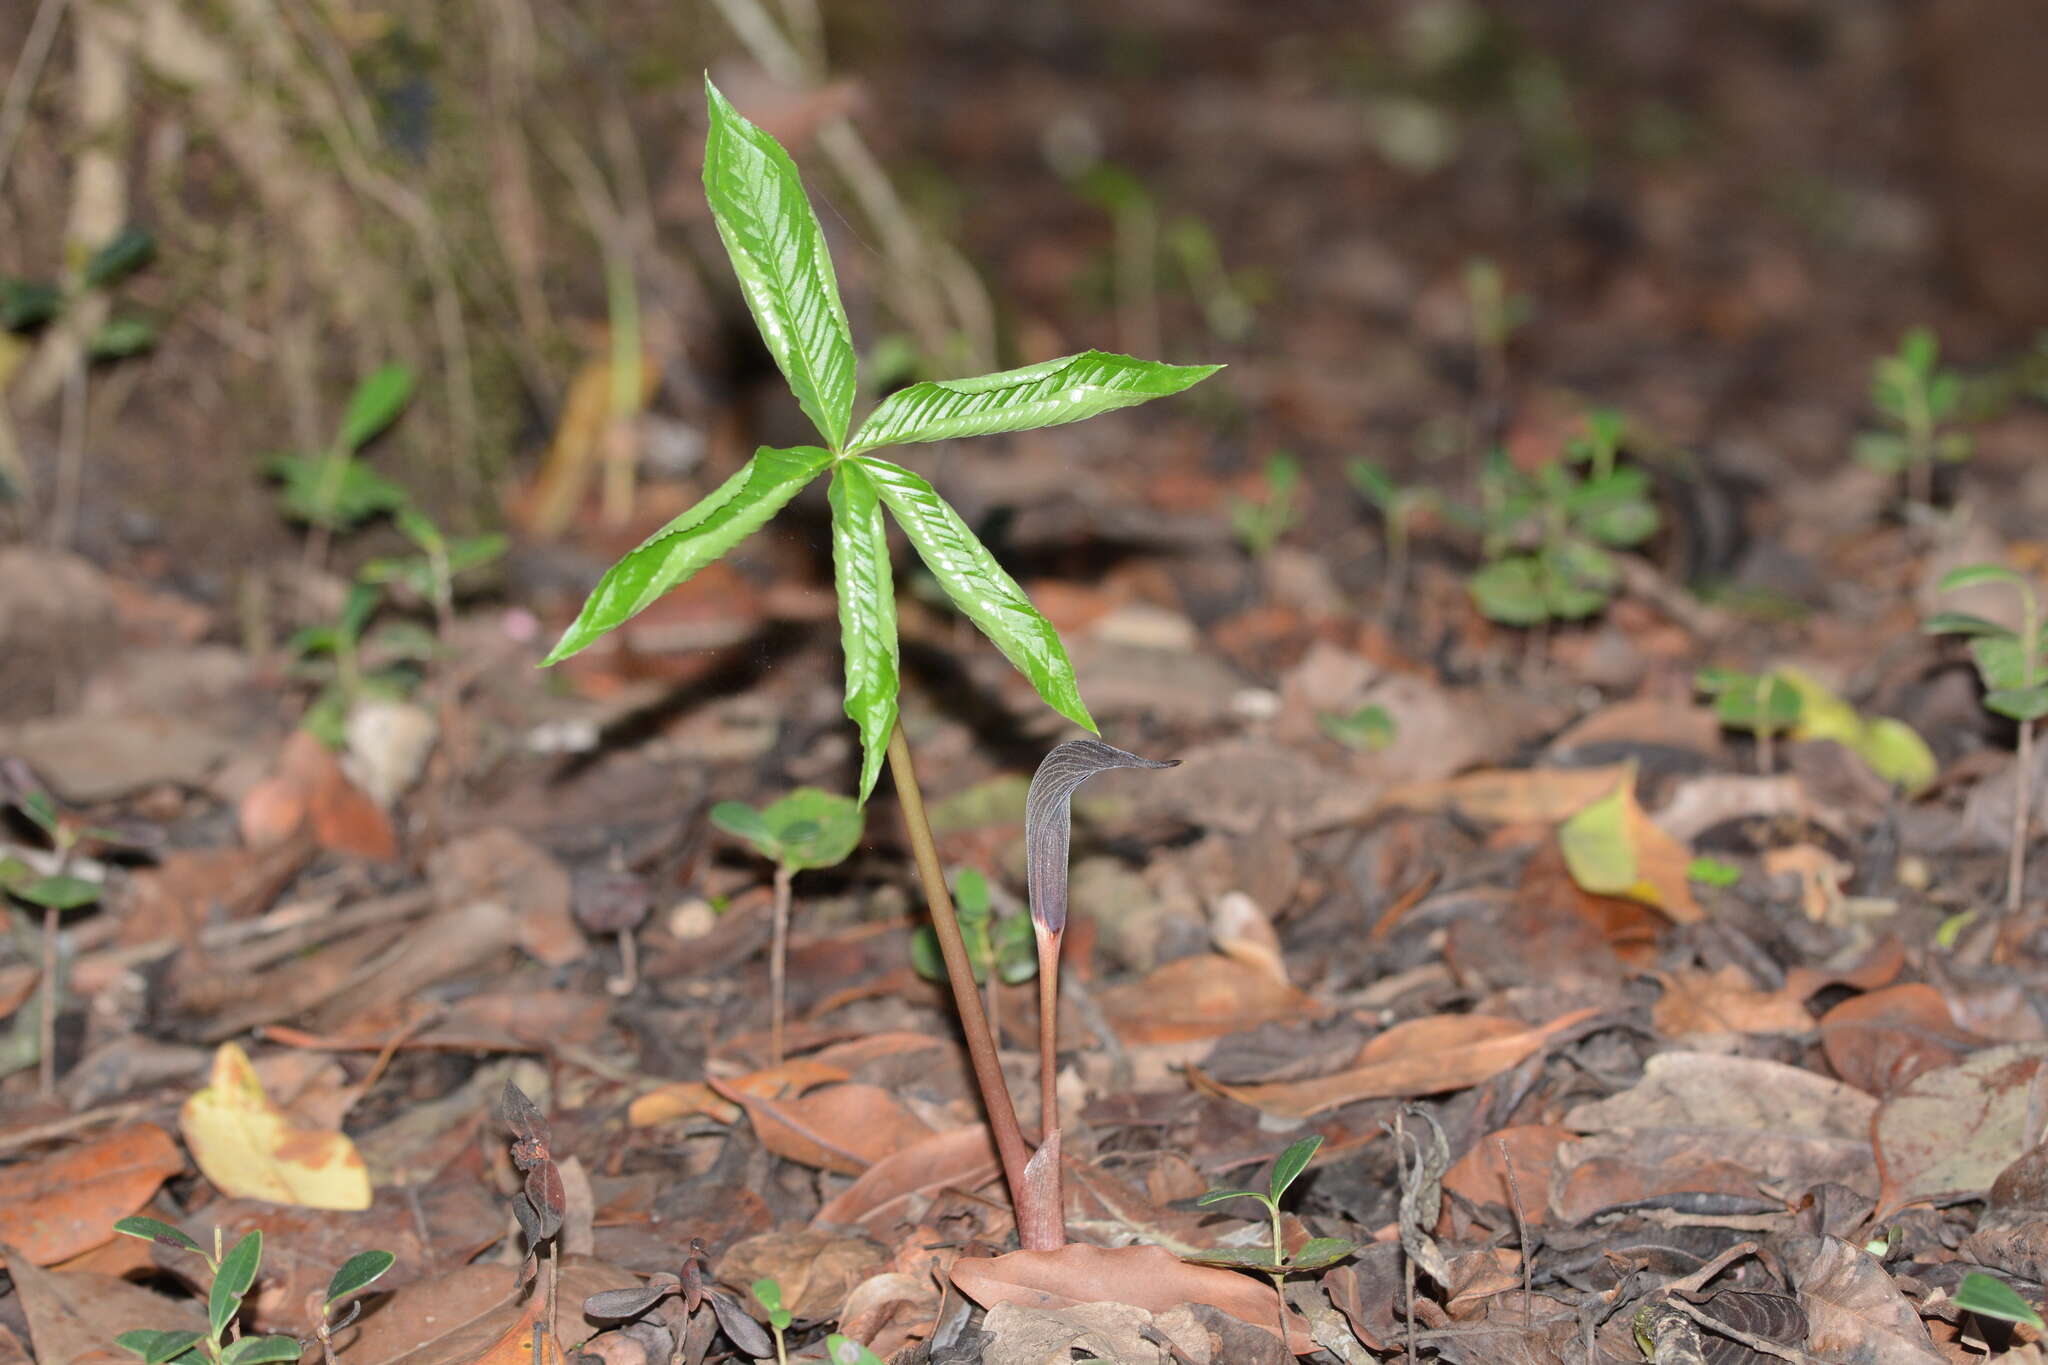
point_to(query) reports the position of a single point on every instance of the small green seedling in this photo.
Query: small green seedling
(1712, 872)
(344, 1296)
(2014, 669)
(1990, 1297)
(332, 490)
(1260, 523)
(431, 574)
(350, 667)
(806, 829)
(769, 1294)
(1917, 401)
(779, 253)
(26, 305)
(1400, 507)
(1497, 315)
(846, 1351)
(232, 1274)
(1548, 536)
(53, 893)
(1318, 1253)
(1000, 944)
(1369, 729)
(1763, 704)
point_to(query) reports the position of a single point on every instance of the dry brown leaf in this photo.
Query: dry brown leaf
(1613, 849)
(1481, 1176)
(815, 1269)
(1430, 1057)
(961, 1158)
(54, 1207)
(1726, 1001)
(1880, 1041)
(1518, 796)
(1820, 876)
(73, 1317)
(1205, 996)
(499, 866)
(1244, 932)
(842, 1128)
(310, 792)
(1150, 1278)
(1949, 1132)
(458, 1317)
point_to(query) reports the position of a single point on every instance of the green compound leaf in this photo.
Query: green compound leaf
(158, 1347)
(1046, 394)
(155, 1230)
(785, 271)
(1994, 1298)
(1292, 1163)
(729, 514)
(261, 1351)
(374, 406)
(357, 1273)
(980, 588)
(867, 613)
(232, 1281)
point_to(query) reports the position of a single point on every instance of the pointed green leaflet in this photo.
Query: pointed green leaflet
(358, 1272)
(1292, 1163)
(980, 588)
(1218, 1196)
(231, 1282)
(1969, 575)
(729, 514)
(867, 613)
(374, 406)
(261, 1351)
(157, 1347)
(1318, 1252)
(1990, 1297)
(778, 251)
(155, 1230)
(1043, 395)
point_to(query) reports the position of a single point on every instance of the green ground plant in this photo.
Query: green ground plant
(1548, 537)
(1763, 704)
(28, 304)
(343, 1296)
(2013, 666)
(1400, 507)
(230, 1275)
(53, 893)
(769, 1294)
(1368, 729)
(808, 828)
(431, 574)
(1990, 1297)
(1917, 402)
(778, 251)
(1259, 523)
(350, 662)
(333, 489)
(1318, 1253)
(846, 1351)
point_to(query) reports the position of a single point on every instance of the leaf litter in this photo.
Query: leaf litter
(1701, 1043)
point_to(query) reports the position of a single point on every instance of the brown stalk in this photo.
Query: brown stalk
(1038, 1228)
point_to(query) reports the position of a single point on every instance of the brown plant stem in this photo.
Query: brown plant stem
(981, 1050)
(778, 963)
(1048, 1030)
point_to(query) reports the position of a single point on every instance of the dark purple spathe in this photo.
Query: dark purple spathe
(1049, 821)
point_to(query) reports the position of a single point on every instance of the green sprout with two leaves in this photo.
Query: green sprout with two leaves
(53, 893)
(1918, 402)
(351, 663)
(334, 489)
(231, 1274)
(808, 828)
(430, 575)
(2013, 666)
(999, 947)
(1763, 704)
(1547, 536)
(1792, 701)
(1318, 1253)
(1400, 507)
(26, 304)
(779, 253)
(1259, 523)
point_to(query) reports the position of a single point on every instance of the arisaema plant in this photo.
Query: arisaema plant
(785, 273)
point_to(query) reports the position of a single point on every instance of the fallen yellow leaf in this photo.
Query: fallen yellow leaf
(1612, 849)
(251, 1149)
